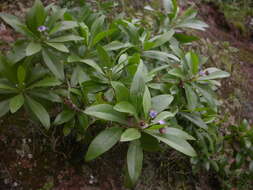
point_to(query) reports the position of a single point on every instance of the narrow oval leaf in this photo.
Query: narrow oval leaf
(90, 62)
(21, 74)
(33, 48)
(130, 134)
(215, 75)
(121, 91)
(59, 46)
(191, 97)
(4, 107)
(16, 103)
(162, 39)
(55, 67)
(195, 119)
(106, 112)
(64, 117)
(103, 142)
(161, 102)
(46, 82)
(162, 116)
(146, 102)
(179, 144)
(66, 38)
(125, 107)
(178, 133)
(134, 160)
(39, 111)
(160, 55)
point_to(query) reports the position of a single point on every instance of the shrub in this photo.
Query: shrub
(139, 80)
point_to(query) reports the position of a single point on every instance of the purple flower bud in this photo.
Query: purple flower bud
(161, 122)
(152, 113)
(42, 28)
(201, 73)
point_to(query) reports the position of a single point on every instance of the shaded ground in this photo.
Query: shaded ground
(33, 160)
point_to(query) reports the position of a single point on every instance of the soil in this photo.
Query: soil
(31, 160)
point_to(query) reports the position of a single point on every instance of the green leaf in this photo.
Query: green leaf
(116, 45)
(21, 74)
(130, 135)
(177, 72)
(215, 75)
(138, 85)
(4, 107)
(62, 26)
(194, 24)
(84, 31)
(39, 111)
(66, 38)
(130, 29)
(179, 144)
(90, 62)
(191, 97)
(36, 16)
(104, 141)
(64, 117)
(55, 67)
(106, 112)
(162, 116)
(125, 107)
(208, 94)
(97, 26)
(100, 36)
(33, 48)
(178, 133)
(104, 57)
(161, 102)
(146, 102)
(46, 82)
(183, 38)
(47, 95)
(162, 39)
(193, 62)
(13, 21)
(195, 119)
(4, 86)
(134, 160)
(16, 103)
(159, 55)
(59, 46)
(121, 91)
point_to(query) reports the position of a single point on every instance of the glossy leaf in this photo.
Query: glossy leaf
(16, 103)
(146, 102)
(4, 107)
(104, 141)
(33, 48)
(130, 135)
(55, 67)
(195, 119)
(179, 144)
(161, 102)
(125, 107)
(106, 112)
(59, 46)
(134, 160)
(39, 111)
(64, 117)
